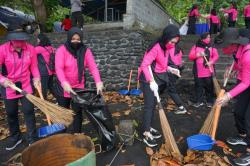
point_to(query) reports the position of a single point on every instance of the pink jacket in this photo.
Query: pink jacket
(243, 67)
(67, 71)
(246, 11)
(46, 55)
(18, 69)
(214, 19)
(161, 59)
(233, 11)
(195, 12)
(202, 71)
(176, 58)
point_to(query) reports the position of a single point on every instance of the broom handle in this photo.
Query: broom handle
(129, 80)
(137, 85)
(157, 94)
(41, 96)
(207, 64)
(14, 87)
(217, 115)
(229, 72)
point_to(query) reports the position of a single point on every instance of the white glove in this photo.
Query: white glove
(67, 88)
(99, 87)
(7, 83)
(153, 86)
(174, 71)
(37, 83)
(224, 99)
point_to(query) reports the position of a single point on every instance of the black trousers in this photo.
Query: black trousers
(242, 114)
(77, 19)
(76, 126)
(191, 25)
(204, 86)
(47, 84)
(247, 22)
(150, 100)
(231, 23)
(214, 28)
(11, 107)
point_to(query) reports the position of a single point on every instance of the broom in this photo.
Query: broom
(56, 113)
(212, 119)
(167, 133)
(215, 81)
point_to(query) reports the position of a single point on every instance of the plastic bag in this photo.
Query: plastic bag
(99, 115)
(184, 28)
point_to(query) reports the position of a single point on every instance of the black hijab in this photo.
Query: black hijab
(77, 53)
(44, 40)
(201, 44)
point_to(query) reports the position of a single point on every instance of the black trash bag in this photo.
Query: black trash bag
(99, 115)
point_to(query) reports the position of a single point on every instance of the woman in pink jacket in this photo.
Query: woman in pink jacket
(192, 17)
(202, 74)
(246, 13)
(156, 57)
(44, 51)
(232, 14)
(18, 60)
(71, 61)
(241, 91)
(214, 22)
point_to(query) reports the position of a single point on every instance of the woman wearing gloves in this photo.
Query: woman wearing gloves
(18, 60)
(192, 17)
(201, 69)
(231, 37)
(44, 50)
(70, 62)
(157, 57)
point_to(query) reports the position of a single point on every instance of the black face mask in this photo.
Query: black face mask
(75, 45)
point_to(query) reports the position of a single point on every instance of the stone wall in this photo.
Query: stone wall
(116, 53)
(146, 13)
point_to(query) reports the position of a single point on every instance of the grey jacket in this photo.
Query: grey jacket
(76, 5)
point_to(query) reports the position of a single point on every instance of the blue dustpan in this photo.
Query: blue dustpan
(123, 92)
(200, 142)
(51, 129)
(135, 92)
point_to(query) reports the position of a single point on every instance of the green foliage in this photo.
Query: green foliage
(22, 5)
(58, 14)
(179, 8)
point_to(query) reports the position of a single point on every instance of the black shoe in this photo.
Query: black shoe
(13, 144)
(209, 105)
(149, 140)
(155, 134)
(180, 110)
(197, 105)
(238, 140)
(243, 160)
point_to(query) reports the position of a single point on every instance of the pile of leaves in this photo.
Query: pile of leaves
(193, 158)
(114, 97)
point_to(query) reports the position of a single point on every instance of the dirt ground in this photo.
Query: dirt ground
(182, 127)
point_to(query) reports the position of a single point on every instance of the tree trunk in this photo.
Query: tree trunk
(40, 13)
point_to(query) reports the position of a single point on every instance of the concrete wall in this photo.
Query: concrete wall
(146, 14)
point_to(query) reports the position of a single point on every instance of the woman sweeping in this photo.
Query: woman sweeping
(157, 56)
(199, 53)
(44, 51)
(192, 17)
(71, 60)
(19, 62)
(233, 38)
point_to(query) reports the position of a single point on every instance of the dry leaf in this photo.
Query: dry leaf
(116, 114)
(149, 151)
(127, 112)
